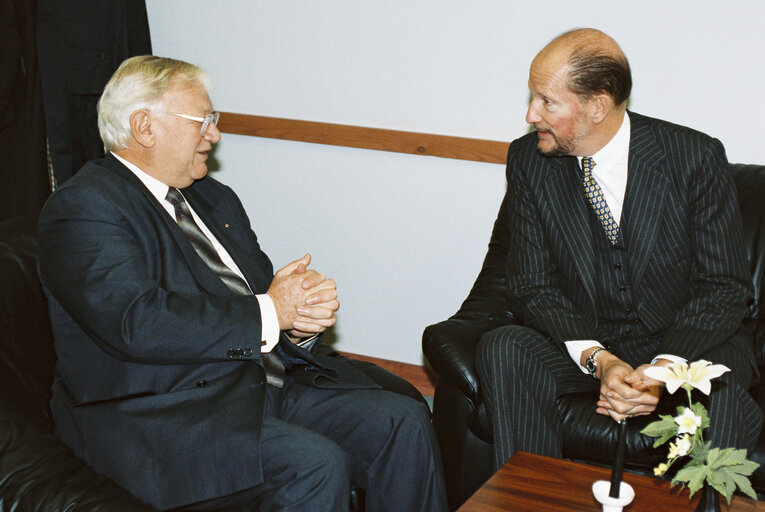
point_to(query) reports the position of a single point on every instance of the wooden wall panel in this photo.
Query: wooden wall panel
(444, 146)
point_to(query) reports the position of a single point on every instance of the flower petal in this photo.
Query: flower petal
(671, 375)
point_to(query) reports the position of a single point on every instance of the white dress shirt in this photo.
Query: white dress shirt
(269, 321)
(611, 172)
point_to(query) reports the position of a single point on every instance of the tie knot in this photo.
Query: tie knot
(587, 164)
(174, 196)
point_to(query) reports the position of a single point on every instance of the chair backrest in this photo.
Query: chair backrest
(750, 182)
(27, 357)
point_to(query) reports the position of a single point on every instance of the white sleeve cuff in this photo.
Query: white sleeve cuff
(575, 349)
(674, 359)
(269, 322)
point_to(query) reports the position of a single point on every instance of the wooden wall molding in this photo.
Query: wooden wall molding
(445, 146)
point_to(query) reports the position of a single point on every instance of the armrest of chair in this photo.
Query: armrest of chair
(450, 348)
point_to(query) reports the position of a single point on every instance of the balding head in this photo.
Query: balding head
(593, 62)
(579, 85)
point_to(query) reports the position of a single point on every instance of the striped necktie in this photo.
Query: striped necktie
(206, 250)
(598, 201)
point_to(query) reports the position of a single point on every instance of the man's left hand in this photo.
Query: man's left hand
(318, 312)
(626, 392)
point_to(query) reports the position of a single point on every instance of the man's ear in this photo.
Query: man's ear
(600, 105)
(140, 127)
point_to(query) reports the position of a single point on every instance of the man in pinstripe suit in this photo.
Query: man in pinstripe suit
(658, 275)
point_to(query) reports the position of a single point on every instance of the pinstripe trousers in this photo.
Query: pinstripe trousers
(523, 373)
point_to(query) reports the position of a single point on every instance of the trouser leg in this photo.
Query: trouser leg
(388, 439)
(521, 373)
(303, 470)
(735, 418)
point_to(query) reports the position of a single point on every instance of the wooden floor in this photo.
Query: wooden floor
(421, 377)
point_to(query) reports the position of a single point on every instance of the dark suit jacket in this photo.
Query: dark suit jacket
(682, 229)
(159, 382)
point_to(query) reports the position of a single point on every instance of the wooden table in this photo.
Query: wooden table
(534, 483)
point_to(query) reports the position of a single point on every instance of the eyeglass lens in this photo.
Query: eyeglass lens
(212, 117)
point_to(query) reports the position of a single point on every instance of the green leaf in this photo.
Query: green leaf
(744, 485)
(722, 480)
(663, 429)
(746, 468)
(694, 475)
(699, 410)
(716, 457)
(660, 427)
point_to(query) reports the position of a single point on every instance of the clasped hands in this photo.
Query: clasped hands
(305, 300)
(624, 391)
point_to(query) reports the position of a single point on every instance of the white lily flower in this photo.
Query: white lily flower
(700, 374)
(687, 422)
(673, 375)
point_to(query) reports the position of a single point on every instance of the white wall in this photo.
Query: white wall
(405, 235)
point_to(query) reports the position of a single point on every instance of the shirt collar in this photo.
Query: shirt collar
(156, 187)
(617, 148)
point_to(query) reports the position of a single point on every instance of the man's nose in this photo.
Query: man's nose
(532, 116)
(212, 133)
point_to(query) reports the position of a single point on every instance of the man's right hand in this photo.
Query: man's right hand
(305, 301)
(619, 398)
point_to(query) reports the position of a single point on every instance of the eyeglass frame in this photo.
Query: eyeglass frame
(212, 117)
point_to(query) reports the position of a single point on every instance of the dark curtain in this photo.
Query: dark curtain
(80, 44)
(23, 163)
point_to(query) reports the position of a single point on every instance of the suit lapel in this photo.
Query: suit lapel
(218, 220)
(568, 205)
(644, 196)
(202, 273)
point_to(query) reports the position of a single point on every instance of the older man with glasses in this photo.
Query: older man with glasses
(187, 370)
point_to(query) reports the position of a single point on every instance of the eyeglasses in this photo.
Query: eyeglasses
(212, 117)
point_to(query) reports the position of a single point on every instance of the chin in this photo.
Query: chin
(550, 150)
(199, 173)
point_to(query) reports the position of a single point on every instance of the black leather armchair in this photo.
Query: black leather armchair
(38, 472)
(459, 415)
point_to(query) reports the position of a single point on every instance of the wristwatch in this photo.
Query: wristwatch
(592, 362)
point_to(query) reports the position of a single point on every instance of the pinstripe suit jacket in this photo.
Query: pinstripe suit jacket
(681, 226)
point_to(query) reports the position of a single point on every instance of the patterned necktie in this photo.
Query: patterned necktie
(206, 250)
(598, 201)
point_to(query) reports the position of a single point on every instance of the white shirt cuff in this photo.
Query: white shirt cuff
(269, 322)
(575, 349)
(674, 359)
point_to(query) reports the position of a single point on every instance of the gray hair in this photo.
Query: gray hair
(139, 83)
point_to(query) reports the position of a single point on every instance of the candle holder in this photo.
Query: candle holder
(602, 490)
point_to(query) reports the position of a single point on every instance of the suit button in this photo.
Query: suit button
(622, 288)
(247, 352)
(201, 383)
(618, 266)
(630, 311)
(231, 352)
(239, 352)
